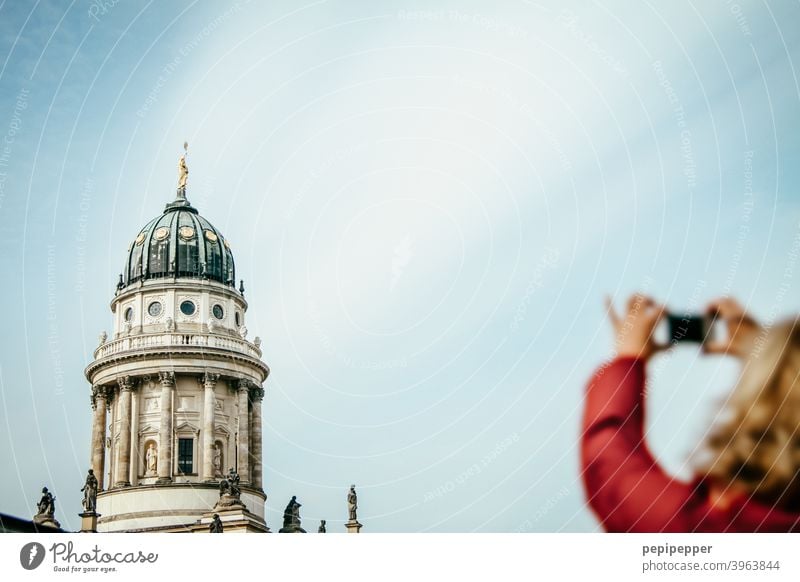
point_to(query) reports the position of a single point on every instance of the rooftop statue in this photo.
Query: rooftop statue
(183, 171)
(352, 503)
(89, 490)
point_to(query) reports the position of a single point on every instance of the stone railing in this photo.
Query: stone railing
(178, 340)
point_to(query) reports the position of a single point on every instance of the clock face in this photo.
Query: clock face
(154, 309)
(140, 238)
(162, 233)
(218, 312)
(186, 232)
(188, 308)
(211, 236)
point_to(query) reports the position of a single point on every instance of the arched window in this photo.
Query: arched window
(188, 253)
(214, 260)
(158, 264)
(135, 270)
(188, 259)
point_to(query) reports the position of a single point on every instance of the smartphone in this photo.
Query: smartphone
(690, 327)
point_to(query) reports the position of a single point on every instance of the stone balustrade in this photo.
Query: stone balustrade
(157, 340)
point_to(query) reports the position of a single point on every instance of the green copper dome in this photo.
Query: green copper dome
(179, 243)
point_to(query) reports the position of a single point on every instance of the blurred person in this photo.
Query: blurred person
(747, 475)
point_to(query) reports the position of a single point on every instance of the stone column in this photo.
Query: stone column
(209, 403)
(244, 434)
(256, 396)
(111, 446)
(135, 455)
(165, 430)
(98, 460)
(124, 453)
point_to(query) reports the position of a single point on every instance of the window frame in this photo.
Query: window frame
(181, 456)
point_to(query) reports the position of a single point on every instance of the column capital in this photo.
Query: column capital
(209, 379)
(125, 383)
(167, 378)
(244, 384)
(256, 393)
(99, 392)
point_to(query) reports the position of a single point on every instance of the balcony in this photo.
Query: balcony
(176, 340)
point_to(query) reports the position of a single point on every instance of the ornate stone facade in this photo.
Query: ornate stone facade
(176, 389)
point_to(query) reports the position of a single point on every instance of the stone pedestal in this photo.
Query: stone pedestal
(353, 527)
(235, 519)
(46, 520)
(88, 521)
(227, 501)
(292, 529)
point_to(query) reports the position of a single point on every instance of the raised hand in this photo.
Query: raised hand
(742, 329)
(633, 332)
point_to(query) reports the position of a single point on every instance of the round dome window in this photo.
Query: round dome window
(154, 309)
(128, 315)
(218, 312)
(188, 308)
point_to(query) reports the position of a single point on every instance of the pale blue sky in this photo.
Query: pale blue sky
(427, 202)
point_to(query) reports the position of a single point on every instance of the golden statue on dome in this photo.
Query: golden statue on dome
(183, 171)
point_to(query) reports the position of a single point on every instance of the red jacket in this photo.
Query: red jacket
(625, 486)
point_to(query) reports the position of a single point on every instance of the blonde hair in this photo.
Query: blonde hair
(755, 448)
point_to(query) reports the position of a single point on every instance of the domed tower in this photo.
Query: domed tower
(177, 388)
